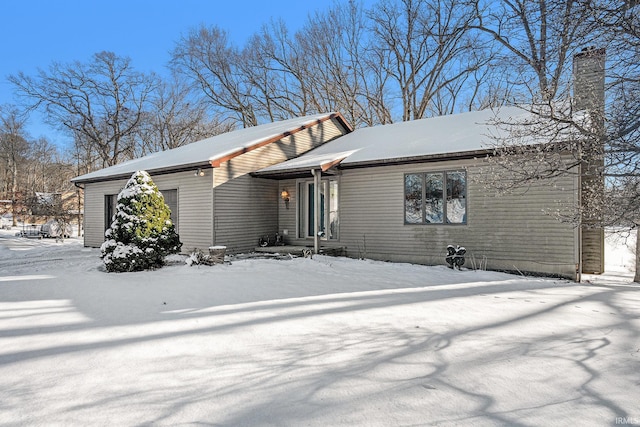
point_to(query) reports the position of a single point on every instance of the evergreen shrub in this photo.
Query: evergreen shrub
(142, 233)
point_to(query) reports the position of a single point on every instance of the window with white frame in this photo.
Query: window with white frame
(435, 197)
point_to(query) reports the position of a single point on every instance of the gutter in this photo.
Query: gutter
(430, 158)
(153, 172)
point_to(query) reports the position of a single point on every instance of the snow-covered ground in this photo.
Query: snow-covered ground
(316, 342)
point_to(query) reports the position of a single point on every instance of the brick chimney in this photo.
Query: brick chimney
(588, 100)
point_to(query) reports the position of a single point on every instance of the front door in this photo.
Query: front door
(328, 209)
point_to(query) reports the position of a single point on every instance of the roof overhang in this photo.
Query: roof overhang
(303, 166)
(294, 173)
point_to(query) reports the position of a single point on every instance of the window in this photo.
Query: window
(110, 201)
(171, 199)
(435, 198)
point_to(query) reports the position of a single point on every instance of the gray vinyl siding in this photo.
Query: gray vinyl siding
(195, 208)
(509, 232)
(247, 207)
(287, 216)
(94, 210)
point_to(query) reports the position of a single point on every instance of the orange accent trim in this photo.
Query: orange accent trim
(217, 162)
(326, 166)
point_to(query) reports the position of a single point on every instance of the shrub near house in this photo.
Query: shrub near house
(142, 233)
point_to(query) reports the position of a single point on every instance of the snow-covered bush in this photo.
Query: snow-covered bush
(142, 232)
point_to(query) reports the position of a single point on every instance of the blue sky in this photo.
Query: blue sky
(35, 33)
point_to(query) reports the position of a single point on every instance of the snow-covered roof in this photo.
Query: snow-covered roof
(307, 162)
(436, 137)
(210, 150)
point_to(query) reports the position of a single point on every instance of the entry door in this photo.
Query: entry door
(328, 209)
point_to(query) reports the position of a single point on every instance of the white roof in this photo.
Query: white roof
(442, 135)
(204, 151)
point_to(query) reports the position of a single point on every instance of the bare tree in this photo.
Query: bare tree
(101, 102)
(29, 167)
(14, 151)
(538, 39)
(488, 87)
(44, 167)
(423, 45)
(618, 27)
(175, 119)
(207, 58)
(325, 66)
(593, 135)
(344, 58)
(341, 72)
(274, 66)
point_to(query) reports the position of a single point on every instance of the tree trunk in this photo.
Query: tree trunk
(636, 277)
(14, 213)
(14, 192)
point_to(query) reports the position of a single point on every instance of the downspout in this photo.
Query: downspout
(579, 272)
(316, 209)
(214, 217)
(80, 215)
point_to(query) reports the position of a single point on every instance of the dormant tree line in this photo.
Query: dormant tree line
(395, 60)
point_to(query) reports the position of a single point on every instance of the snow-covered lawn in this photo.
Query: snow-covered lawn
(320, 342)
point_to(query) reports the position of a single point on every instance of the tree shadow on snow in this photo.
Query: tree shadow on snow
(420, 364)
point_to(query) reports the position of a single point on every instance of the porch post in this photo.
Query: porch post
(316, 209)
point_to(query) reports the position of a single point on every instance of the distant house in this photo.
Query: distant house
(399, 192)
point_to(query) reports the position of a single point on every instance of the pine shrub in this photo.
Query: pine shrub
(142, 233)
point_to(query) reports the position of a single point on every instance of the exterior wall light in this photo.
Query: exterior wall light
(284, 195)
(199, 172)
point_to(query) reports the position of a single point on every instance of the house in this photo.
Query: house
(401, 192)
